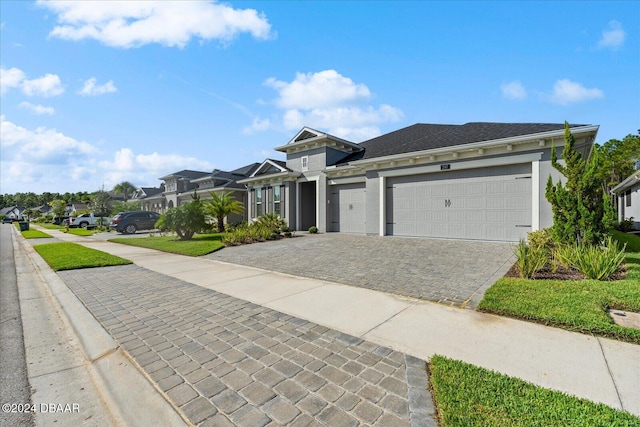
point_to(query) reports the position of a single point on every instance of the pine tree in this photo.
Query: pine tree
(581, 211)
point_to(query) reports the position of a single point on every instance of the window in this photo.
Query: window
(628, 198)
(258, 202)
(305, 163)
(276, 201)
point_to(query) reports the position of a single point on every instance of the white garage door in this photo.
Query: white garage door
(484, 204)
(348, 208)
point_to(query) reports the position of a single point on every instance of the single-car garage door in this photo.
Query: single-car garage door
(348, 208)
(485, 204)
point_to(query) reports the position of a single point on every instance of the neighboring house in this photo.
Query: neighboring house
(178, 187)
(482, 181)
(628, 194)
(72, 209)
(13, 212)
(44, 209)
(151, 198)
(226, 182)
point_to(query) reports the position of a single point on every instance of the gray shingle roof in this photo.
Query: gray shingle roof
(421, 137)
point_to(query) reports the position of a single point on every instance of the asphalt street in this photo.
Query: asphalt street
(14, 389)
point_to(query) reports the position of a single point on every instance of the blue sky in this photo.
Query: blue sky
(95, 93)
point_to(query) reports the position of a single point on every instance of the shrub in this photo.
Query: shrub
(529, 259)
(541, 239)
(185, 220)
(595, 262)
(273, 222)
(313, 229)
(625, 225)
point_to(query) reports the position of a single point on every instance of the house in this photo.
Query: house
(179, 187)
(72, 209)
(482, 181)
(150, 198)
(628, 194)
(13, 212)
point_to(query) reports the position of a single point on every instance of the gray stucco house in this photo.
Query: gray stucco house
(628, 194)
(482, 181)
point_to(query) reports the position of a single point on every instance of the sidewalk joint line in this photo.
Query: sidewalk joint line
(615, 386)
(386, 320)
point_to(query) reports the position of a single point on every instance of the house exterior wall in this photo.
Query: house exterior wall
(629, 205)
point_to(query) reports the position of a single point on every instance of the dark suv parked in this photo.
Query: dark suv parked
(132, 221)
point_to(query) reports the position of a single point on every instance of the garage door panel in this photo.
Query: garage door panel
(348, 208)
(488, 204)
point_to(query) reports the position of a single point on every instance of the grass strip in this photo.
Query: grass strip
(632, 240)
(576, 305)
(52, 226)
(35, 234)
(80, 232)
(467, 396)
(70, 256)
(201, 244)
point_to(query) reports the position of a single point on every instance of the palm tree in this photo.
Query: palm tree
(221, 206)
(126, 189)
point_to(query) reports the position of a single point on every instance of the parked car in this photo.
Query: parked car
(87, 220)
(7, 220)
(131, 221)
(60, 220)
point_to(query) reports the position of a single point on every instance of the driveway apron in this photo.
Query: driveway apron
(452, 272)
(225, 361)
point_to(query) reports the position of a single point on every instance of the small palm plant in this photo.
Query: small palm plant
(222, 205)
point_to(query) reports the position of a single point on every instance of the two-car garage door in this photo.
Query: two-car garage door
(485, 204)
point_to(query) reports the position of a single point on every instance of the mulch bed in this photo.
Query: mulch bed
(563, 274)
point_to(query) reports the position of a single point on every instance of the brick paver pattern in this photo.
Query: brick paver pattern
(224, 361)
(452, 272)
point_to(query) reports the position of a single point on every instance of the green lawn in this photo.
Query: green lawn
(35, 234)
(467, 395)
(577, 305)
(201, 244)
(70, 256)
(81, 232)
(50, 226)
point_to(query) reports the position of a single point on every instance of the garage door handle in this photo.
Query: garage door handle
(523, 226)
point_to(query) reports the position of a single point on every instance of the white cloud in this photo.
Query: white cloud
(258, 125)
(329, 101)
(48, 160)
(613, 36)
(127, 24)
(566, 92)
(90, 88)
(47, 85)
(11, 78)
(318, 90)
(513, 90)
(37, 109)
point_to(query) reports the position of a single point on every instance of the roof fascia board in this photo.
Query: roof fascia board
(270, 177)
(627, 183)
(266, 162)
(323, 139)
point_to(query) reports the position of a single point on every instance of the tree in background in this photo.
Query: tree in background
(581, 212)
(618, 160)
(125, 188)
(101, 204)
(58, 207)
(221, 206)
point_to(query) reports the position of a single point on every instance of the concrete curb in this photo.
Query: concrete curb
(117, 379)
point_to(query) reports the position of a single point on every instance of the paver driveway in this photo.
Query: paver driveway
(452, 272)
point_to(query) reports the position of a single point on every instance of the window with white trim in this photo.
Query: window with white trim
(305, 163)
(276, 201)
(258, 202)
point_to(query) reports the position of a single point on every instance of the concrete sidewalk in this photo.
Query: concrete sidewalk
(598, 369)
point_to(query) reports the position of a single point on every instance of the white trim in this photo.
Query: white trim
(535, 195)
(304, 163)
(299, 199)
(471, 164)
(383, 205)
(353, 180)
